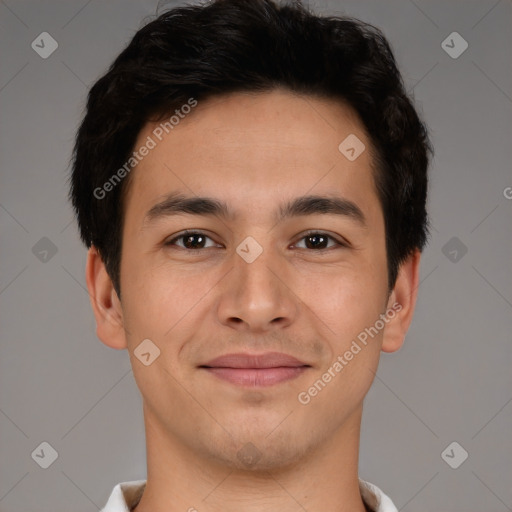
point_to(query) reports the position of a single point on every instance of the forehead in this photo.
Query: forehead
(249, 149)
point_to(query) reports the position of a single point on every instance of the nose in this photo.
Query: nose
(257, 296)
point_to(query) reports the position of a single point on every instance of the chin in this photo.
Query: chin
(258, 452)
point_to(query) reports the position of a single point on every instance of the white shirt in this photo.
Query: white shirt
(126, 495)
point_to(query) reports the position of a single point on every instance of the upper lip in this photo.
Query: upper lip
(244, 360)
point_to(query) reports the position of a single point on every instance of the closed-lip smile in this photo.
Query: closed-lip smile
(255, 370)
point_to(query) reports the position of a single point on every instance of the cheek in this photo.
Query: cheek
(346, 298)
(349, 306)
(159, 299)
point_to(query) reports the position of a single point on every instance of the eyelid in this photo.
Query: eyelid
(339, 241)
(171, 241)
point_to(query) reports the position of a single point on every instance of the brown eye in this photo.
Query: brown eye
(190, 241)
(319, 241)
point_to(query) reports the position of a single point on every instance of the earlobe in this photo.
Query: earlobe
(401, 303)
(104, 301)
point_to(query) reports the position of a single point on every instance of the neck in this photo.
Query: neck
(179, 479)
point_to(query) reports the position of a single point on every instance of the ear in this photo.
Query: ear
(105, 302)
(402, 302)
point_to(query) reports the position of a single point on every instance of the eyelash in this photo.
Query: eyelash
(307, 234)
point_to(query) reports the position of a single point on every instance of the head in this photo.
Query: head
(246, 102)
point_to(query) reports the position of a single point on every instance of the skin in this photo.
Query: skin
(253, 151)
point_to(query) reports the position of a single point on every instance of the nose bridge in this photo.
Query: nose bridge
(254, 296)
(252, 269)
(253, 272)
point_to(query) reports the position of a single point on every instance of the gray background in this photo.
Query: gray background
(450, 382)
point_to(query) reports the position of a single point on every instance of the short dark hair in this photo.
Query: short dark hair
(229, 46)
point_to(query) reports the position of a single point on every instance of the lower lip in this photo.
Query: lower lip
(257, 377)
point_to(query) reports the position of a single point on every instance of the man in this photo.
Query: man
(251, 182)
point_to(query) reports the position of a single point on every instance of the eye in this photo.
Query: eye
(196, 240)
(319, 241)
(192, 240)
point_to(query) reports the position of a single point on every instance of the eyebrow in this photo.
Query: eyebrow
(177, 204)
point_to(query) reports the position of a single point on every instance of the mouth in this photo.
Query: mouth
(259, 370)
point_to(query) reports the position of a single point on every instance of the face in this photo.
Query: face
(266, 291)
